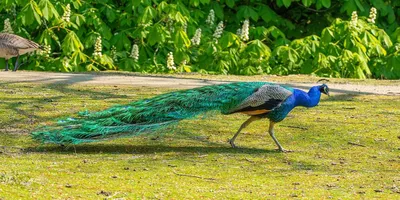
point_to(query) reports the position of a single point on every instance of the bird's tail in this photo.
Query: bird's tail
(145, 116)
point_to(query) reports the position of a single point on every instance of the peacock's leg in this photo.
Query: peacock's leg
(271, 133)
(16, 64)
(6, 65)
(246, 123)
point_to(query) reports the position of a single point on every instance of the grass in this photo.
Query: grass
(348, 147)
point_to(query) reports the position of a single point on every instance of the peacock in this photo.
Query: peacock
(13, 46)
(256, 99)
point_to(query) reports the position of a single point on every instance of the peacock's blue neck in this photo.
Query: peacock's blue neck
(299, 98)
(309, 99)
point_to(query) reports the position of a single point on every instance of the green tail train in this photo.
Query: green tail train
(148, 115)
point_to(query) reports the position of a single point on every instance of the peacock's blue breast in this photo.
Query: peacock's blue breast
(279, 113)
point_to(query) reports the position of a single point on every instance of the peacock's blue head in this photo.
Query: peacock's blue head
(324, 89)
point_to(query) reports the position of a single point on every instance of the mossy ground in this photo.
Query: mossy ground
(348, 147)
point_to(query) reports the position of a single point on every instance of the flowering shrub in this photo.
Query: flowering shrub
(321, 37)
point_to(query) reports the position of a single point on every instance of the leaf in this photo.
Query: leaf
(205, 1)
(393, 66)
(228, 39)
(78, 19)
(26, 15)
(326, 3)
(322, 61)
(230, 3)
(180, 56)
(48, 9)
(29, 13)
(362, 70)
(149, 13)
(359, 5)
(107, 62)
(307, 3)
(254, 15)
(45, 9)
(36, 12)
(326, 35)
(247, 12)
(180, 18)
(349, 6)
(287, 3)
(78, 57)
(104, 30)
(275, 32)
(396, 35)
(293, 55)
(195, 3)
(128, 64)
(260, 32)
(110, 14)
(162, 6)
(385, 39)
(181, 39)
(156, 34)
(391, 15)
(91, 67)
(187, 68)
(267, 14)
(71, 43)
(180, 7)
(219, 12)
(136, 2)
(259, 48)
(121, 41)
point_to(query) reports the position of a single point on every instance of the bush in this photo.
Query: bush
(232, 37)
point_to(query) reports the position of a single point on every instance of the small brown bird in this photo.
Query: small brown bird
(13, 46)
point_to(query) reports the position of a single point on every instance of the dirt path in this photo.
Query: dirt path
(159, 81)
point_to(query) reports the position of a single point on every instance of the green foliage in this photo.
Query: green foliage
(285, 36)
(343, 50)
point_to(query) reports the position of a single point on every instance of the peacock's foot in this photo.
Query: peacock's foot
(232, 143)
(285, 150)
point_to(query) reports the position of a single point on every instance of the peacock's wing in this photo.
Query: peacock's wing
(263, 100)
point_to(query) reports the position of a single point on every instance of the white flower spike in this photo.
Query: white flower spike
(372, 15)
(354, 18)
(7, 26)
(135, 52)
(170, 61)
(211, 18)
(218, 31)
(97, 47)
(244, 33)
(67, 13)
(197, 37)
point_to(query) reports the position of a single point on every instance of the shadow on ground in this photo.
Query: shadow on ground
(143, 149)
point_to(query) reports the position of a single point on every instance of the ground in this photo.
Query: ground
(348, 147)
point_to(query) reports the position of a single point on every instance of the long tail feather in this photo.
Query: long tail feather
(146, 116)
